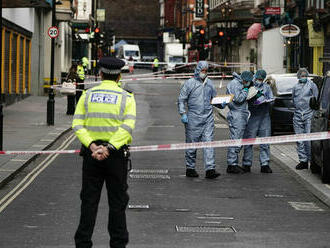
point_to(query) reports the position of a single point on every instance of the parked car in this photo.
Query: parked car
(320, 159)
(282, 109)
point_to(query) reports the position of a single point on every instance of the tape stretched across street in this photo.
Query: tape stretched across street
(56, 86)
(198, 145)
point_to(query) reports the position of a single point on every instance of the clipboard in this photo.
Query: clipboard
(222, 98)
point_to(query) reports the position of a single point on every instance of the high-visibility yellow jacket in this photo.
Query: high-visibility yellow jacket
(155, 63)
(85, 61)
(81, 72)
(105, 112)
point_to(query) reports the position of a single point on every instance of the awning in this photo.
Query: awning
(253, 31)
(119, 44)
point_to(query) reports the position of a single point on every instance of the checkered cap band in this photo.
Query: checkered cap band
(110, 71)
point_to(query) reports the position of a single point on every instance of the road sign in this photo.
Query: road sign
(53, 32)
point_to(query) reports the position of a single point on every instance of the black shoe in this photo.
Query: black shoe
(211, 174)
(246, 168)
(266, 169)
(302, 165)
(235, 169)
(191, 173)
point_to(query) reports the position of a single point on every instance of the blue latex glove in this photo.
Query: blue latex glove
(184, 118)
(259, 94)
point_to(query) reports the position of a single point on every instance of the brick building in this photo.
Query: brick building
(183, 20)
(135, 21)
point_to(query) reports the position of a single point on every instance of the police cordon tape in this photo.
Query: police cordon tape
(211, 63)
(198, 145)
(56, 86)
(182, 65)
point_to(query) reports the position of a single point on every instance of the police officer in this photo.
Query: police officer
(302, 117)
(155, 65)
(85, 63)
(81, 79)
(103, 122)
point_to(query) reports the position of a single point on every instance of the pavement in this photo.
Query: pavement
(25, 128)
(288, 159)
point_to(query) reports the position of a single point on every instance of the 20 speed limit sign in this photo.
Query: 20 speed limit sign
(53, 32)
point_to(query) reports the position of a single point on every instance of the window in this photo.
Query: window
(132, 53)
(16, 55)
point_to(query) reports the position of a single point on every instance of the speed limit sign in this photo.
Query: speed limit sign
(53, 32)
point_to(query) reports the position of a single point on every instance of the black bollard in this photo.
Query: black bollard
(50, 108)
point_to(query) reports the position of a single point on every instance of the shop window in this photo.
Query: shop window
(21, 64)
(16, 63)
(27, 66)
(13, 62)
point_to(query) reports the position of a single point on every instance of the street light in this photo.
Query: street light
(51, 95)
(226, 11)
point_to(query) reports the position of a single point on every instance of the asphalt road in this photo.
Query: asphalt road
(166, 208)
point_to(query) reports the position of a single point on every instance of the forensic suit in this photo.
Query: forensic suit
(197, 95)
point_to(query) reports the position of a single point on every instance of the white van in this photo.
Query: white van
(127, 51)
(174, 55)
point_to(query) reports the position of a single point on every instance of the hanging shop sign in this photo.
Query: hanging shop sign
(100, 15)
(289, 30)
(199, 8)
(315, 39)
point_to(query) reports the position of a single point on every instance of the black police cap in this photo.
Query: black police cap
(111, 65)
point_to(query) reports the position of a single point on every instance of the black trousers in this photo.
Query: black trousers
(71, 105)
(80, 87)
(112, 171)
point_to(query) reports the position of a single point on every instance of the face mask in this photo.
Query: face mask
(303, 80)
(202, 75)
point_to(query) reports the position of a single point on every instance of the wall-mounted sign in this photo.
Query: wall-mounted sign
(199, 8)
(100, 15)
(315, 39)
(289, 30)
(273, 11)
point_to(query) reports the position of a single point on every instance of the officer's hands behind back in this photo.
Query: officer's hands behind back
(99, 152)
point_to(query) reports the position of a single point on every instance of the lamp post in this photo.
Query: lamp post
(226, 11)
(186, 25)
(51, 96)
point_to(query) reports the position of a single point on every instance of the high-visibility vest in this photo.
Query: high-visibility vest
(85, 62)
(155, 62)
(105, 112)
(81, 72)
